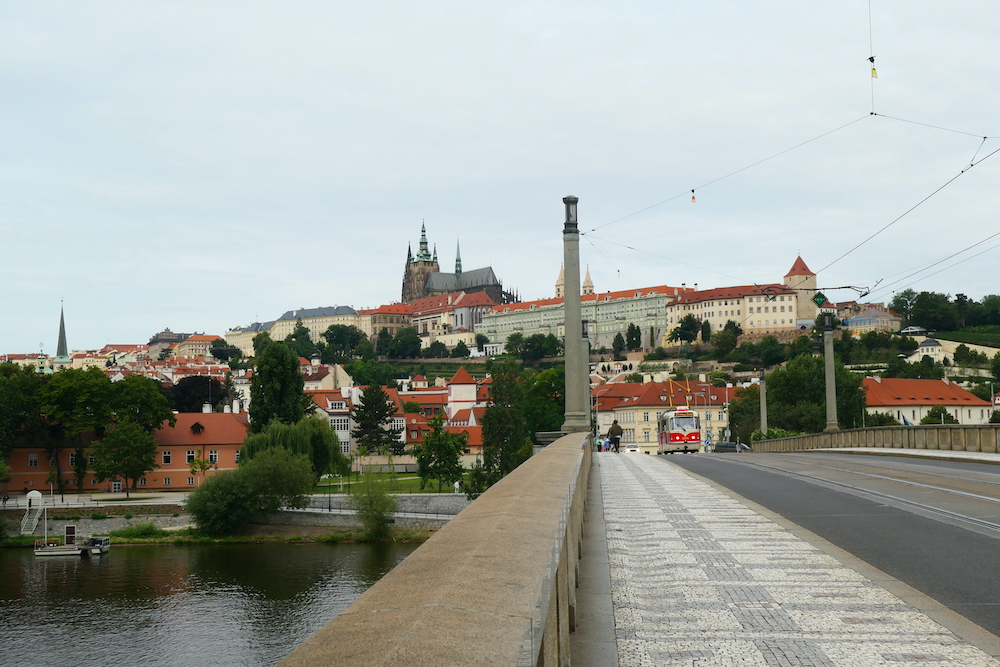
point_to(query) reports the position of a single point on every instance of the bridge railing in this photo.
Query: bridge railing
(953, 437)
(495, 586)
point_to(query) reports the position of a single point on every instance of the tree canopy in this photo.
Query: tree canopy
(128, 451)
(439, 456)
(276, 388)
(505, 428)
(311, 437)
(373, 415)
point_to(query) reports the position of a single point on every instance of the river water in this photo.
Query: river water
(246, 604)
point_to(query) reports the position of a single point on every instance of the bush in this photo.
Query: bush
(96, 516)
(140, 531)
(374, 507)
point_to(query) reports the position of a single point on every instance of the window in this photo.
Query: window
(190, 481)
(213, 456)
(166, 458)
(238, 455)
(340, 423)
(190, 456)
(90, 460)
(32, 460)
(345, 447)
(72, 459)
(142, 482)
(645, 436)
(166, 481)
(645, 416)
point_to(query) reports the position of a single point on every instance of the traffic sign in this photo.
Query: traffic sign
(819, 299)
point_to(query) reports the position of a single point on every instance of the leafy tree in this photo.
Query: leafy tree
(724, 342)
(383, 343)
(514, 345)
(189, 394)
(276, 388)
(881, 419)
(461, 350)
(406, 344)
(686, 331)
(633, 337)
(481, 342)
(127, 451)
(545, 399)
(365, 350)
(311, 437)
(199, 466)
(744, 413)
(706, 331)
(938, 415)
(374, 507)
(770, 351)
(796, 396)
(141, 400)
(934, 312)
(371, 372)
(538, 346)
(411, 408)
(223, 351)
(20, 412)
(982, 391)
(902, 304)
(995, 366)
(439, 457)
(373, 415)
(74, 401)
(634, 377)
(342, 343)
(436, 350)
(734, 327)
(299, 341)
(260, 341)
(618, 345)
(504, 424)
(995, 417)
(273, 479)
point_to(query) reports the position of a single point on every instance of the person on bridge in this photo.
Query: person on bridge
(615, 433)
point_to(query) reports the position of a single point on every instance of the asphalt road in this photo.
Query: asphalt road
(954, 563)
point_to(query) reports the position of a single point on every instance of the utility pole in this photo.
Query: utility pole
(577, 416)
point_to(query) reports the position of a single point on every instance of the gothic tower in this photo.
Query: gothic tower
(803, 281)
(418, 268)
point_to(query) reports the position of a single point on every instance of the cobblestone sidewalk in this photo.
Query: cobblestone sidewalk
(697, 578)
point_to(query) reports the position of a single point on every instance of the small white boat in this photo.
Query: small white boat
(98, 546)
(42, 548)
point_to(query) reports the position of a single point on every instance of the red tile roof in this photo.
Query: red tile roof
(799, 268)
(219, 428)
(462, 377)
(603, 296)
(890, 392)
(737, 292)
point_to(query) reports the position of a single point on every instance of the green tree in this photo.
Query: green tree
(74, 401)
(20, 411)
(724, 342)
(934, 312)
(299, 341)
(514, 344)
(706, 331)
(439, 456)
(370, 371)
(189, 394)
(373, 415)
(504, 424)
(982, 391)
(733, 327)
(374, 507)
(411, 408)
(260, 341)
(881, 419)
(618, 345)
(633, 337)
(276, 388)
(436, 350)
(223, 351)
(406, 344)
(311, 437)
(902, 304)
(127, 451)
(141, 400)
(342, 343)
(770, 351)
(481, 342)
(938, 415)
(230, 500)
(545, 399)
(461, 350)
(744, 413)
(796, 396)
(383, 343)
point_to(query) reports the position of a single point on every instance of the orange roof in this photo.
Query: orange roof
(217, 428)
(799, 268)
(661, 394)
(202, 338)
(731, 293)
(603, 296)
(391, 309)
(475, 299)
(890, 392)
(462, 377)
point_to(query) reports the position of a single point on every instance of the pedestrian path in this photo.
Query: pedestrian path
(699, 578)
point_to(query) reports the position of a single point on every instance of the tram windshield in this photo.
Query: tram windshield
(684, 423)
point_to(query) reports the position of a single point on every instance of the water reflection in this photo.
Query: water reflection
(169, 605)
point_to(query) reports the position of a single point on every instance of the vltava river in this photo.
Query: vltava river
(247, 604)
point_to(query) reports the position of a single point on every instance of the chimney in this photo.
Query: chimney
(236, 406)
(206, 408)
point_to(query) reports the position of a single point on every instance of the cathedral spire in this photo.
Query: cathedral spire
(435, 257)
(423, 255)
(458, 258)
(62, 350)
(409, 253)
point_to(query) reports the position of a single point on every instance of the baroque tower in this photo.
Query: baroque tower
(418, 268)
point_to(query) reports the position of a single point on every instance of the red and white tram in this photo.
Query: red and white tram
(678, 431)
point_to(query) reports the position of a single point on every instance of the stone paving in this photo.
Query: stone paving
(697, 578)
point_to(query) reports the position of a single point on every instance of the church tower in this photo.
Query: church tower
(418, 268)
(62, 349)
(458, 259)
(588, 284)
(561, 283)
(803, 281)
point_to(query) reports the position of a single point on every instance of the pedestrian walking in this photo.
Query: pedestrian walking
(615, 435)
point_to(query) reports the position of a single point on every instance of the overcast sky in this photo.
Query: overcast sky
(202, 165)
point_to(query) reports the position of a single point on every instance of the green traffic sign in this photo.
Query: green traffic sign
(819, 299)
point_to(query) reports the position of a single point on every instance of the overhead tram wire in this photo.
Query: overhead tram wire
(961, 261)
(730, 174)
(912, 208)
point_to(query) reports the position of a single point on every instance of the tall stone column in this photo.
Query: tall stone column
(577, 385)
(831, 376)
